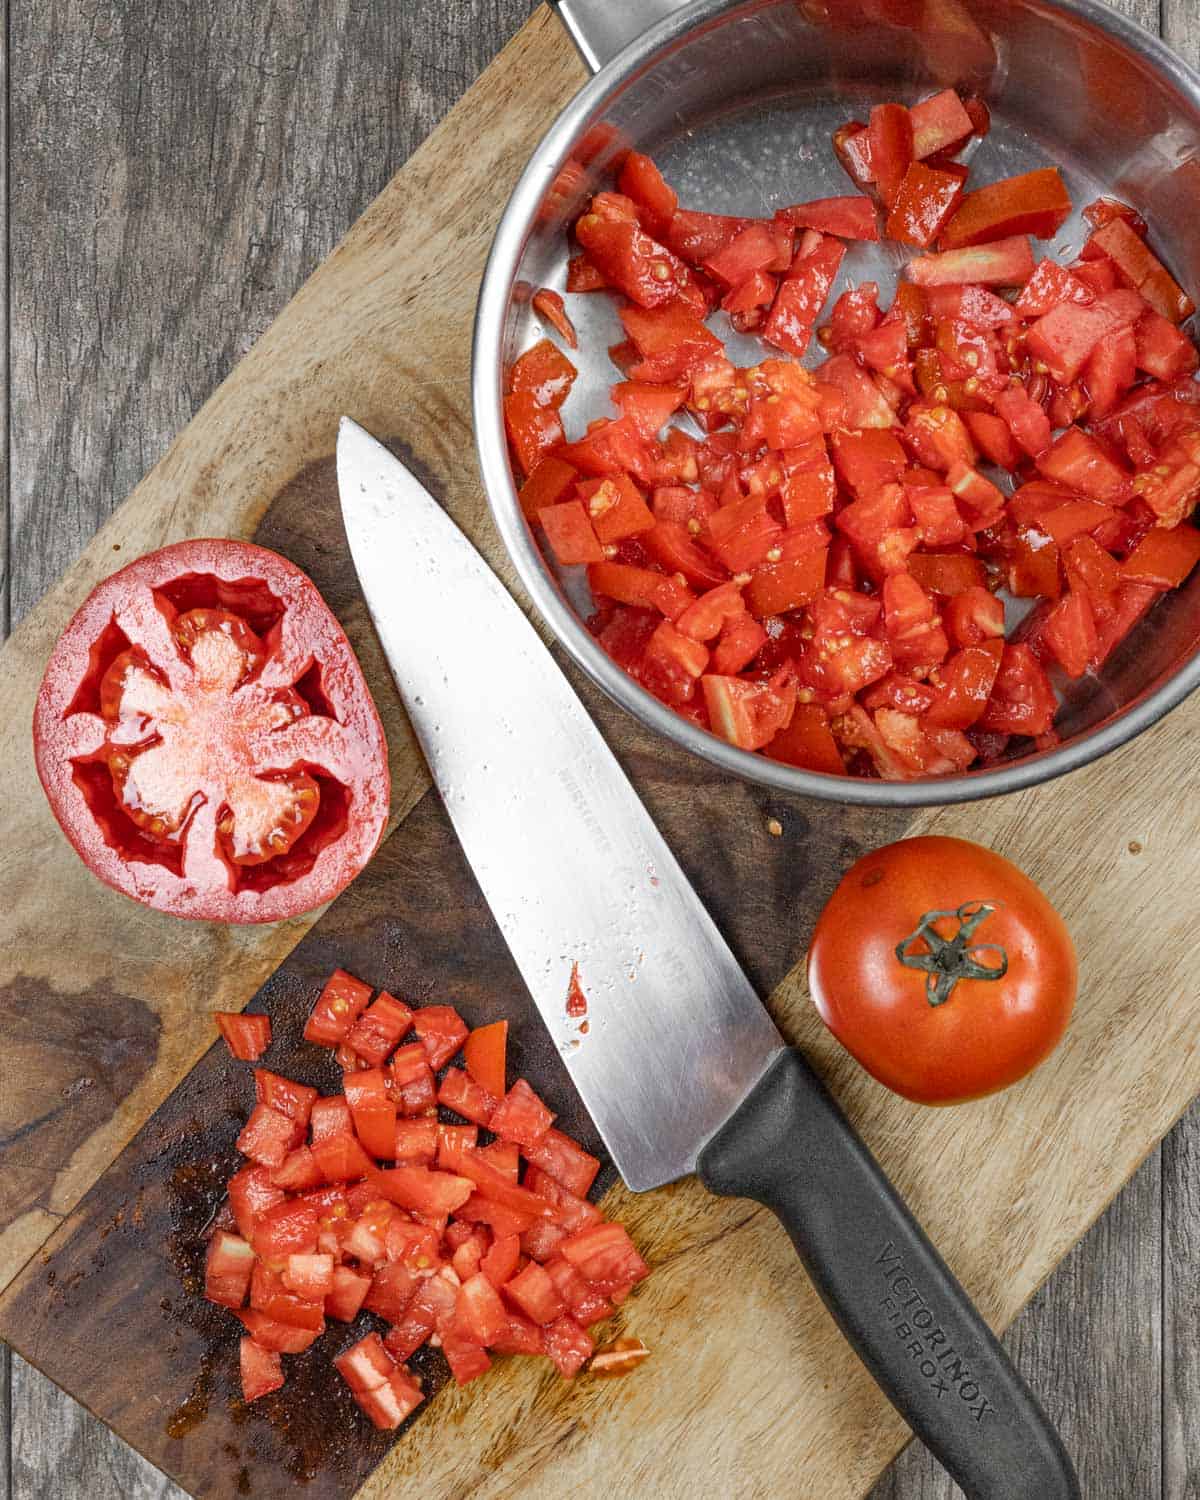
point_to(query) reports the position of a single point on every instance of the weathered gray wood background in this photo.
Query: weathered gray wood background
(173, 173)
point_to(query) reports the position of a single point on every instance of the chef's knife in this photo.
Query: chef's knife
(682, 1069)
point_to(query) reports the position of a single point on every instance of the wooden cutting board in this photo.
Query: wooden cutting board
(103, 1005)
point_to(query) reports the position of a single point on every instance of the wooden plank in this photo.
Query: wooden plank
(148, 979)
(1181, 1308)
(312, 76)
(59, 1450)
(1090, 1342)
(7, 1360)
(1181, 1150)
(1181, 29)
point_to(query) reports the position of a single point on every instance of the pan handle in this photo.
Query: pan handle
(789, 1147)
(602, 28)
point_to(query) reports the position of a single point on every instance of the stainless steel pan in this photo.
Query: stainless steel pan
(737, 100)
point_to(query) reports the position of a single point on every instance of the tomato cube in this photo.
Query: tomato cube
(545, 372)
(379, 1028)
(533, 1292)
(570, 533)
(341, 1158)
(533, 430)
(647, 272)
(1161, 349)
(500, 1262)
(422, 1190)
(551, 481)
(924, 204)
(947, 573)
(416, 1142)
(801, 296)
(227, 1269)
(267, 1136)
(675, 654)
(568, 1163)
(375, 1126)
(1028, 423)
(292, 1099)
(1002, 262)
(850, 218)
(864, 405)
(642, 182)
(289, 1228)
(938, 438)
(261, 1370)
(807, 742)
(1022, 700)
(247, 1037)
(462, 1094)
(672, 341)
(467, 1359)
(605, 1256)
(583, 1302)
(748, 714)
(280, 1338)
(520, 1336)
(480, 1315)
(1050, 285)
(568, 1345)
(298, 1171)
(499, 1218)
(492, 1183)
(1139, 268)
(571, 1212)
(964, 686)
(309, 1276)
(338, 1006)
(330, 1117)
(1065, 337)
(939, 124)
(1079, 462)
(391, 1290)
(1163, 559)
(251, 1194)
(366, 1365)
(890, 134)
(1035, 203)
(442, 1032)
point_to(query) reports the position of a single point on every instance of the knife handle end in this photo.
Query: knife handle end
(790, 1148)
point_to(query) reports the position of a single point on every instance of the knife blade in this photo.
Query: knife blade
(682, 1069)
(534, 791)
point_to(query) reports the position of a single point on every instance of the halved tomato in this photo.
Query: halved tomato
(206, 738)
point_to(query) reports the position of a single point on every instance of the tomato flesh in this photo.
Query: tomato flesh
(343, 1207)
(206, 738)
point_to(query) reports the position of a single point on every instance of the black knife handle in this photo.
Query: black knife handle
(790, 1148)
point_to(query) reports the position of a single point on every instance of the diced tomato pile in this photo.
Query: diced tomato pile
(367, 1201)
(807, 563)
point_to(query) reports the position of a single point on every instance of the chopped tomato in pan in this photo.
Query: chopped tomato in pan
(810, 560)
(407, 1227)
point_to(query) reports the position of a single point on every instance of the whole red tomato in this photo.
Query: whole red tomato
(943, 969)
(206, 738)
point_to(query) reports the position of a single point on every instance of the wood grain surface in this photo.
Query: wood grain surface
(1125, 1295)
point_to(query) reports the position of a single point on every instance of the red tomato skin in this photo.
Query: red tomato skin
(988, 1034)
(309, 625)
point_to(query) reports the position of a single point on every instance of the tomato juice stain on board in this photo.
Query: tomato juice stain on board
(576, 1000)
